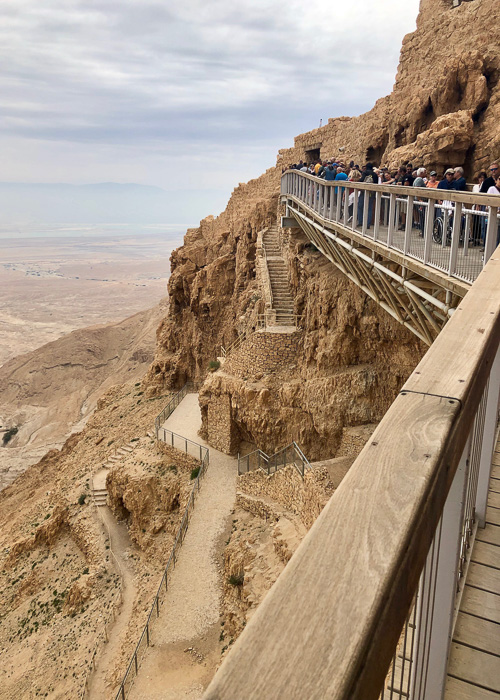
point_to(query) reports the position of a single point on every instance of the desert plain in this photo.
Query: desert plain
(52, 285)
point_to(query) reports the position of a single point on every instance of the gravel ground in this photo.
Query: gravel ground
(192, 605)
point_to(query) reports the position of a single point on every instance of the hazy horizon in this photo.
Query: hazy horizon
(40, 204)
(191, 98)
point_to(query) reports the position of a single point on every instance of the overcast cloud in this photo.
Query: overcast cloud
(207, 91)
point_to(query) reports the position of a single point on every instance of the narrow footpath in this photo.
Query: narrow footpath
(185, 639)
(120, 545)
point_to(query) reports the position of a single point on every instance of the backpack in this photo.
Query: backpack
(368, 180)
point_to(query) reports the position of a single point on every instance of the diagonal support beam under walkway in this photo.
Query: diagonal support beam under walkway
(411, 296)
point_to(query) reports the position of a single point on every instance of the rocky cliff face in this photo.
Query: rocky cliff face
(444, 110)
(350, 362)
(212, 284)
(445, 106)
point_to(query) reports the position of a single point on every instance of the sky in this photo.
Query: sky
(195, 94)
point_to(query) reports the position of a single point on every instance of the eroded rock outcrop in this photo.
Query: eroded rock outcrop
(445, 106)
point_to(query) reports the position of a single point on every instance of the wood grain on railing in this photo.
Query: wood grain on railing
(329, 626)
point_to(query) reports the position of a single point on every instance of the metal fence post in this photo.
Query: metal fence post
(488, 441)
(437, 598)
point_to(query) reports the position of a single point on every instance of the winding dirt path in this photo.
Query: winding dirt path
(189, 618)
(120, 545)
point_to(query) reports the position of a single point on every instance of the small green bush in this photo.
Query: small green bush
(236, 579)
(213, 365)
(81, 499)
(195, 472)
(7, 436)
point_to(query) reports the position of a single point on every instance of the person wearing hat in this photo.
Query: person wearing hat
(432, 181)
(447, 181)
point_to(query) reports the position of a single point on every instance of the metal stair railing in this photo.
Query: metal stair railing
(235, 344)
(291, 455)
(270, 316)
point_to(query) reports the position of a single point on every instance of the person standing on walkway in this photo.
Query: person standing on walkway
(479, 222)
(459, 182)
(369, 177)
(490, 181)
(432, 181)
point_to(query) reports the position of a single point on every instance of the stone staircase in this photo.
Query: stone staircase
(118, 455)
(99, 491)
(278, 275)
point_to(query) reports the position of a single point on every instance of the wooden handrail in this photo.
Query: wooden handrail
(330, 624)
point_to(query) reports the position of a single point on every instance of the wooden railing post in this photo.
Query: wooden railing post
(491, 233)
(366, 213)
(376, 222)
(409, 225)
(429, 228)
(455, 238)
(392, 217)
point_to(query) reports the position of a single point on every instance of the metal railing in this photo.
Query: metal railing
(225, 351)
(408, 676)
(144, 640)
(278, 317)
(269, 287)
(171, 406)
(367, 604)
(456, 236)
(181, 443)
(291, 455)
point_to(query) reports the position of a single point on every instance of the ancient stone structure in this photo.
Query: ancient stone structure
(263, 352)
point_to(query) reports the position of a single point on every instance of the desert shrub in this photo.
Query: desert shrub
(195, 472)
(9, 434)
(236, 579)
(81, 499)
(213, 365)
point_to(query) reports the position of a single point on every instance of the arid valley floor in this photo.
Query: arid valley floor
(52, 285)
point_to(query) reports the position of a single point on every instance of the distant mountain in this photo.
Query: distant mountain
(108, 202)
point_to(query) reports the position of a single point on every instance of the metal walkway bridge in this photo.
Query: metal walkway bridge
(414, 256)
(395, 590)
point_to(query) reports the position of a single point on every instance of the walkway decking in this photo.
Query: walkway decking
(474, 664)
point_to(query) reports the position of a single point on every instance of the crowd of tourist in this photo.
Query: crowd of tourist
(408, 176)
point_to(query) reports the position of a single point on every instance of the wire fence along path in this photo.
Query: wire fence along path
(201, 453)
(291, 455)
(456, 236)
